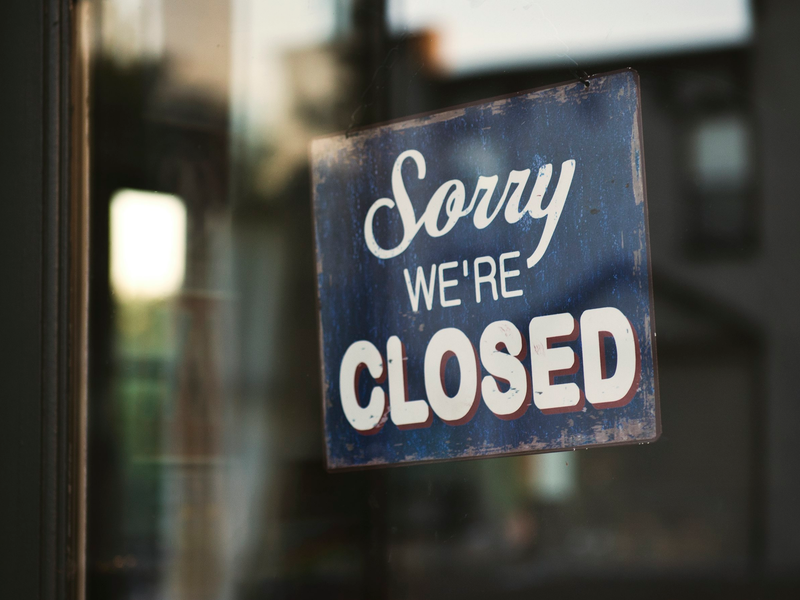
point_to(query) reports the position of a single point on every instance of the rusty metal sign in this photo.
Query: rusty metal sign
(484, 279)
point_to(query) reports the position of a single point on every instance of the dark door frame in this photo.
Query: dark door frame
(42, 272)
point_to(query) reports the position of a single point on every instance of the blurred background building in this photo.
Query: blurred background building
(206, 476)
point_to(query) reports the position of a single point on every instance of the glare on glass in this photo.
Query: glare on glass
(148, 244)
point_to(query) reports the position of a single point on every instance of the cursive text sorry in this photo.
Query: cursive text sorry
(452, 197)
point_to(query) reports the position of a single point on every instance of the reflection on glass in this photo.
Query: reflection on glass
(523, 33)
(206, 476)
(148, 244)
(722, 180)
(553, 477)
(721, 151)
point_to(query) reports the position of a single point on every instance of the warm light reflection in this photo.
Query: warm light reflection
(476, 35)
(148, 244)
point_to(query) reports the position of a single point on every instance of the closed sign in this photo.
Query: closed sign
(484, 279)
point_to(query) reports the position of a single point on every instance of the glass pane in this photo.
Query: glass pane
(206, 467)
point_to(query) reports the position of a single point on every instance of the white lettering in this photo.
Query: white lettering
(508, 275)
(451, 196)
(548, 362)
(405, 413)
(603, 391)
(404, 208)
(513, 213)
(486, 185)
(516, 178)
(446, 283)
(479, 279)
(427, 290)
(506, 367)
(367, 419)
(445, 344)
(481, 218)
(454, 208)
(502, 351)
(553, 210)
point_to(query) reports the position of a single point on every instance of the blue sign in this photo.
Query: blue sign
(484, 279)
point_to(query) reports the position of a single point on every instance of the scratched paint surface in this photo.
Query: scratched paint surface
(597, 257)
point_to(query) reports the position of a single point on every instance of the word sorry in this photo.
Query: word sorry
(502, 350)
(451, 196)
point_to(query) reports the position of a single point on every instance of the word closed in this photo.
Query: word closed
(501, 351)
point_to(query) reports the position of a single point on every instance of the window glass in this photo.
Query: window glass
(206, 475)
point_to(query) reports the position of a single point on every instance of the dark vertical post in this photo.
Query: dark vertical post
(21, 344)
(374, 60)
(37, 467)
(373, 57)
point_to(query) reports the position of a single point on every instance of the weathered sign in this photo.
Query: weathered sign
(484, 279)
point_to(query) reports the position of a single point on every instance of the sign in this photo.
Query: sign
(484, 279)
